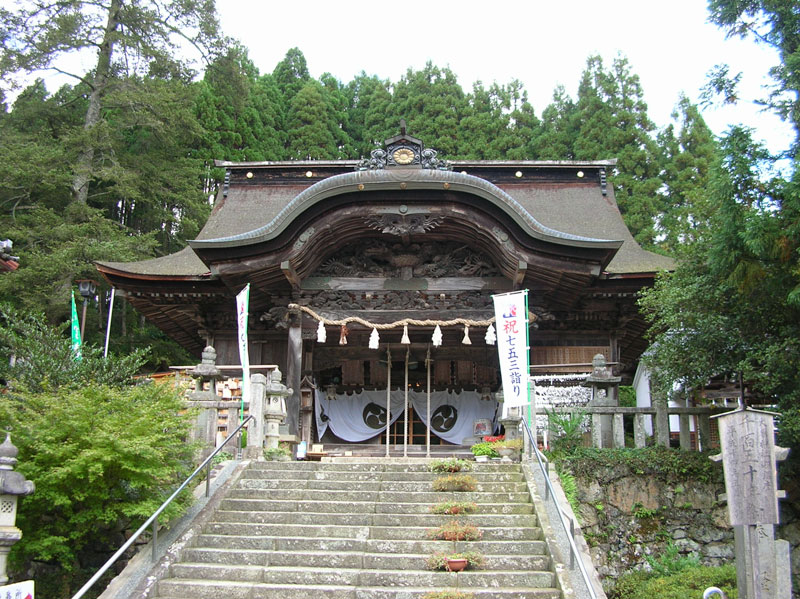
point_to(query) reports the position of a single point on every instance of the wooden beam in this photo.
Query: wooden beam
(519, 276)
(290, 274)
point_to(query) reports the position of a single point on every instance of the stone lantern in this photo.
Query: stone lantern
(605, 394)
(274, 408)
(12, 485)
(206, 372)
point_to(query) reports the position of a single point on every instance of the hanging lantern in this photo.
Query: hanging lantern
(405, 340)
(322, 335)
(490, 336)
(343, 332)
(374, 339)
(466, 340)
(437, 336)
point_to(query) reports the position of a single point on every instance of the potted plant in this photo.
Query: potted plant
(508, 447)
(450, 465)
(448, 594)
(455, 562)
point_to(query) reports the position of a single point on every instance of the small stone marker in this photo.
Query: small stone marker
(748, 457)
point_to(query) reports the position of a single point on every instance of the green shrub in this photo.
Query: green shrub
(671, 561)
(102, 459)
(566, 431)
(455, 482)
(689, 582)
(450, 465)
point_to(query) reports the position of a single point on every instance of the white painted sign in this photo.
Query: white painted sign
(511, 321)
(242, 309)
(19, 590)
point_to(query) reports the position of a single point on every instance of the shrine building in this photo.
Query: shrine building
(402, 243)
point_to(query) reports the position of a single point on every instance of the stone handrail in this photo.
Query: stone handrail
(607, 423)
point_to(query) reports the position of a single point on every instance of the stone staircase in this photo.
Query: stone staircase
(358, 530)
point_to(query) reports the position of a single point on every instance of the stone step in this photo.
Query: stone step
(359, 577)
(372, 485)
(420, 547)
(235, 502)
(343, 475)
(264, 558)
(368, 519)
(358, 532)
(206, 589)
(250, 489)
(374, 466)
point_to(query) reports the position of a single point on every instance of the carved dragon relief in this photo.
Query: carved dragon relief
(377, 258)
(404, 224)
(398, 300)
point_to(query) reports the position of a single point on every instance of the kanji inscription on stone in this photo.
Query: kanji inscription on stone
(748, 458)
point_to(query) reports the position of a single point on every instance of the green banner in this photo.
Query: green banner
(76, 330)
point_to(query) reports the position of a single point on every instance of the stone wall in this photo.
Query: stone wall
(627, 515)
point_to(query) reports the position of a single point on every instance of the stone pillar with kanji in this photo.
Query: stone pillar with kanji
(748, 458)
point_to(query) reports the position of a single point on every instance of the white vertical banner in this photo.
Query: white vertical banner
(511, 321)
(242, 308)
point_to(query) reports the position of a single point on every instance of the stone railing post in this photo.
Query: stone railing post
(662, 422)
(686, 432)
(618, 431)
(639, 436)
(704, 424)
(255, 430)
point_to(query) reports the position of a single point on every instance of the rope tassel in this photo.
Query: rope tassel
(322, 334)
(466, 340)
(405, 340)
(343, 332)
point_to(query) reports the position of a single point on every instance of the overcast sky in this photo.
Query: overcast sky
(670, 45)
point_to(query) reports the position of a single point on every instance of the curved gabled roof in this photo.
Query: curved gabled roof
(401, 179)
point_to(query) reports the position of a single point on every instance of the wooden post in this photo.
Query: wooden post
(294, 369)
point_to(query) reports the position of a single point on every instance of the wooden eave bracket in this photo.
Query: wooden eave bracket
(290, 274)
(519, 276)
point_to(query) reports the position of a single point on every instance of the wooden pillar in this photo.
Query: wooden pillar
(294, 369)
